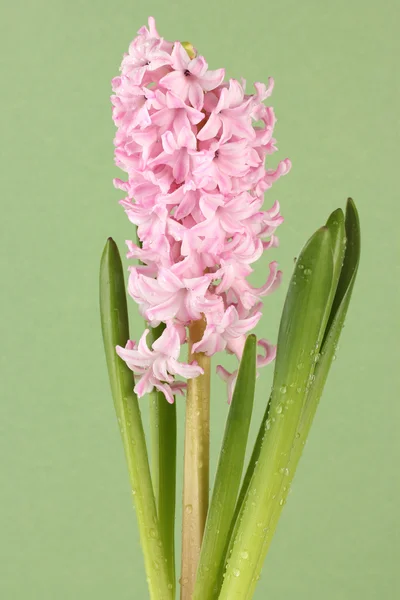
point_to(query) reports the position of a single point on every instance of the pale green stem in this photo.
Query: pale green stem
(227, 478)
(196, 464)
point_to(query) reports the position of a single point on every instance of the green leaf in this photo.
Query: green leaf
(228, 476)
(163, 463)
(276, 457)
(336, 227)
(115, 328)
(304, 317)
(252, 462)
(337, 316)
(351, 262)
(344, 287)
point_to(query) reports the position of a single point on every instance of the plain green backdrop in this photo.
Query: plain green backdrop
(67, 529)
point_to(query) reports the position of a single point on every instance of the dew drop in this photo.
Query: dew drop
(236, 572)
(307, 271)
(301, 266)
(188, 509)
(279, 409)
(244, 555)
(153, 533)
(283, 389)
(268, 424)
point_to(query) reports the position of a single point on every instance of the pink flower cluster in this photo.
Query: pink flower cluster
(194, 149)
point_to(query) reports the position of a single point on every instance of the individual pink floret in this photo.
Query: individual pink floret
(190, 78)
(156, 367)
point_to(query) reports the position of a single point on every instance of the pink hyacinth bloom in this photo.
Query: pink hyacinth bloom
(157, 367)
(262, 360)
(222, 328)
(231, 114)
(194, 149)
(190, 77)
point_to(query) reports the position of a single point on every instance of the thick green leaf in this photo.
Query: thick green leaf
(335, 224)
(344, 270)
(304, 317)
(115, 328)
(252, 462)
(337, 316)
(336, 227)
(350, 262)
(331, 337)
(228, 476)
(163, 463)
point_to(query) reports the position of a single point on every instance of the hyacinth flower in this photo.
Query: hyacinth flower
(194, 149)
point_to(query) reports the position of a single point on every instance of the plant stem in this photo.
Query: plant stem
(227, 479)
(196, 464)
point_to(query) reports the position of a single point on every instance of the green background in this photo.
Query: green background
(64, 496)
